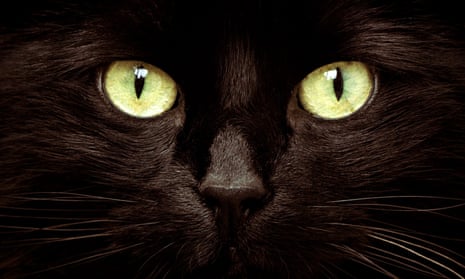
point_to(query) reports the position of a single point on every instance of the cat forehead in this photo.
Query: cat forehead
(226, 14)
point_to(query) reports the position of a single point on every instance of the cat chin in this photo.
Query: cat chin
(224, 268)
(233, 263)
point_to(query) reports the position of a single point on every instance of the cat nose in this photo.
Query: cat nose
(238, 198)
(232, 186)
(233, 202)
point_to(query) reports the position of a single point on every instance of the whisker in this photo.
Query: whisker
(399, 208)
(383, 238)
(401, 263)
(420, 240)
(346, 273)
(403, 197)
(399, 231)
(376, 230)
(94, 257)
(41, 217)
(58, 227)
(397, 243)
(64, 197)
(42, 209)
(157, 270)
(363, 260)
(20, 228)
(424, 247)
(140, 225)
(155, 254)
(41, 241)
(309, 268)
(326, 271)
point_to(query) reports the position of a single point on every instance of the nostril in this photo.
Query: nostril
(233, 199)
(232, 206)
(249, 206)
(242, 200)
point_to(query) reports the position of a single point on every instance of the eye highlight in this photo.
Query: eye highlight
(336, 90)
(139, 89)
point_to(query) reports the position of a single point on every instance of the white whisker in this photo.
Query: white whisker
(403, 197)
(402, 262)
(64, 197)
(94, 257)
(41, 217)
(62, 227)
(41, 241)
(363, 260)
(420, 240)
(393, 207)
(43, 209)
(412, 251)
(397, 243)
(155, 254)
(399, 231)
(329, 274)
(157, 270)
(20, 228)
(346, 273)
(139, 225)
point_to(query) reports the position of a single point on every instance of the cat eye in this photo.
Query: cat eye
(336, 90)
(139, 89)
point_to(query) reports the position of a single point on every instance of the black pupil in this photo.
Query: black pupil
(338, 84)
(140, 73)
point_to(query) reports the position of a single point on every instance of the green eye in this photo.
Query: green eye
(336, 90)
(139, 89)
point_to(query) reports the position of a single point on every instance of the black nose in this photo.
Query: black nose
(234, 200)
(231, 186)
(239, 199)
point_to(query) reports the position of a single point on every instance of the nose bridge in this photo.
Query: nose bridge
(231, 186)
(238, 75)
(231, 164)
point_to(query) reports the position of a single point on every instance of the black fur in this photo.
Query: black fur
(88, 191)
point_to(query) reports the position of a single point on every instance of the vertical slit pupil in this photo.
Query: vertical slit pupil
(338, 84)
(140, 73)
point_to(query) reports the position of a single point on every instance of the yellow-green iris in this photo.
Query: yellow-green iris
(139, 89)
(336, 90)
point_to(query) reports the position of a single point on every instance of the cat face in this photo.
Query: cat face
(167, 139)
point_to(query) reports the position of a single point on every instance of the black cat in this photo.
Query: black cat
(234, 139)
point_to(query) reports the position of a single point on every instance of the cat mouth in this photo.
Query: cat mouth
(231, 263)
(236, 261)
